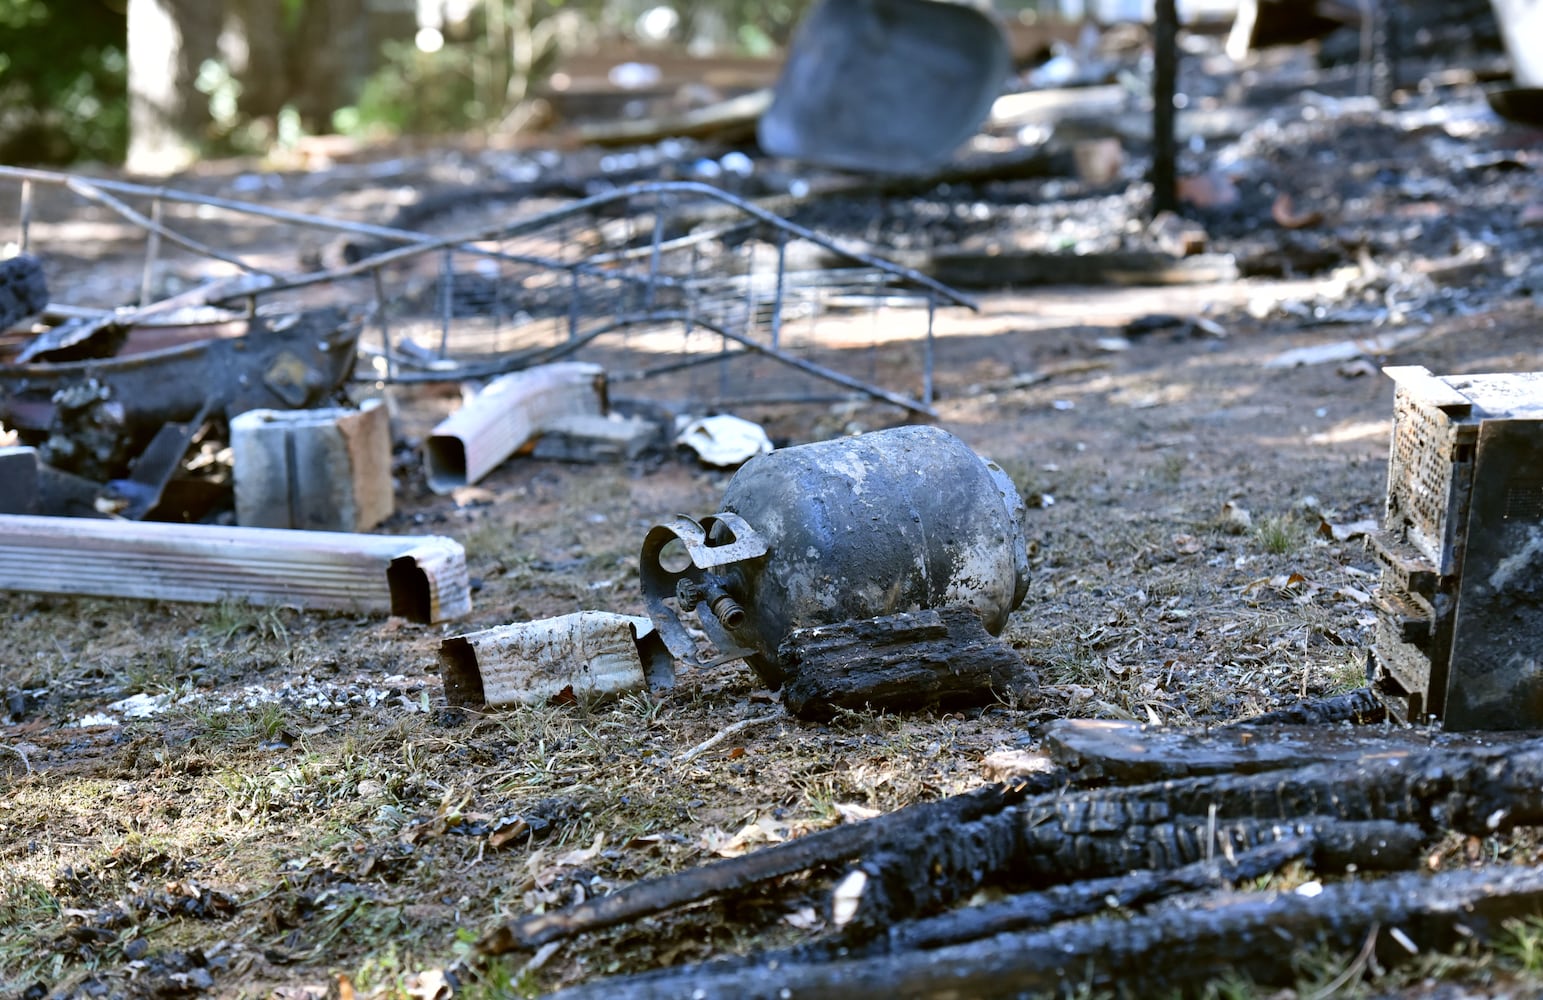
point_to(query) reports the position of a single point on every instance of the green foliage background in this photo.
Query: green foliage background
(63, 81)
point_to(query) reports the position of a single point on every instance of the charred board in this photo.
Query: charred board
(1373, 812)
(1021, 912)
(911, 660)
(1099, 751)
(1169, 948)
(838, 844)
(1360, 707)
(23, 289)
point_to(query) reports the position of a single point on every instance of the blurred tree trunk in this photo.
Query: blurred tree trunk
(258, 49)
(330, 55)
(168, 41)
(313, 59)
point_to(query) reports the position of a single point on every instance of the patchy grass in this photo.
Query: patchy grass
(1280, 534)
(1521, 944)
(310, 771)
(233, 617)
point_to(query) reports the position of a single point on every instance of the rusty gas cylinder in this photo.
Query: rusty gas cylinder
(858, 527)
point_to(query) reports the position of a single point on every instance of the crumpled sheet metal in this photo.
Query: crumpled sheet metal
(288, 362)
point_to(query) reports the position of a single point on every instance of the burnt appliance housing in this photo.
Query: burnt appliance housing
(1460, 600)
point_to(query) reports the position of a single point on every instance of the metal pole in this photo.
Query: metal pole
(928, 350)
(776, 317)
(446, 291)
(26, 215)
(656, 247)
(152, 253)
(1387, 45)
(385, 325)
(1165, 75)
(94, 192)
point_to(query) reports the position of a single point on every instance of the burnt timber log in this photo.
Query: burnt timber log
(1054, 838)
(994, 835)
(909, 879)
(1473, 790)
(910, 660)
(1028, 910)
(1024, 911)
(1098, 751)
(842, 843)
(1360, 707)
(1170, 947)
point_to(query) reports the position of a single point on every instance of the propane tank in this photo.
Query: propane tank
(859, 527)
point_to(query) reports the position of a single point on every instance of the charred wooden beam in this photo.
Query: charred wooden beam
(921, 874)
(1102, 751)
(1029, 910)
(1375, 808)
(727, 121)
(1474, 790)
(1361, 707)
(1016, 267)
(1021, 912)
(1171, 947)
(842, 843)
(909, 660)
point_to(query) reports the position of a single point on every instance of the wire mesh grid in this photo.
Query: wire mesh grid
(681, 288)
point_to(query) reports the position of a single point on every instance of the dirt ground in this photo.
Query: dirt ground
(297, 813)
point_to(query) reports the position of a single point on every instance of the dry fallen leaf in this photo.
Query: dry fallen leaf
(846, 897)
(1209, 190)
(1186, 545)
(1284, 212)
(509, 831)
(851, 812)
(1352, 594)
(763, 831)
(472, 496)
(1358, 368)
(1348, 531)
(1006, 765)
(804, 918)
(583, 855)
(430, 984)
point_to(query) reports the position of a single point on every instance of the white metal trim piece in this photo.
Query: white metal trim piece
(587, 653)
(419, 577)
(507, 413)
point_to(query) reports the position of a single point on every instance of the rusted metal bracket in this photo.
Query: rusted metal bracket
(721, 540)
